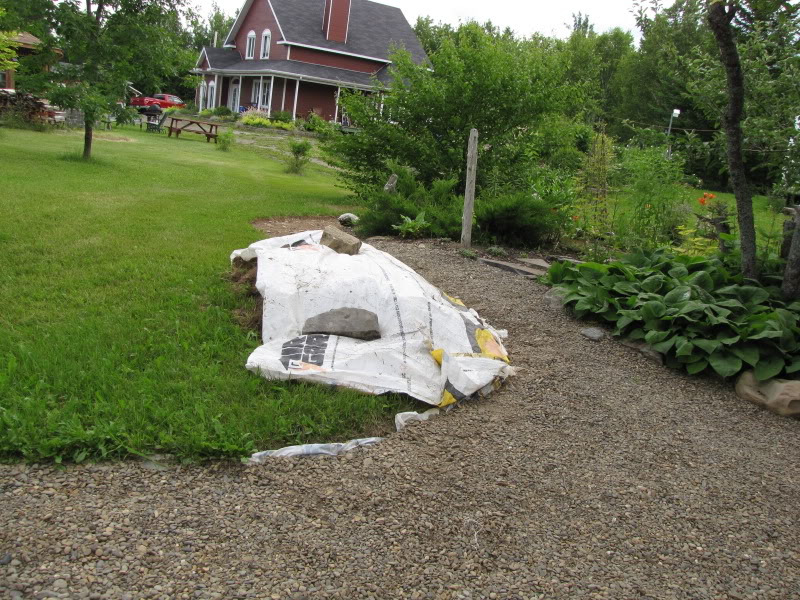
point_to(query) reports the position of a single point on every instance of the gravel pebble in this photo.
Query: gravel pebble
(594, 473)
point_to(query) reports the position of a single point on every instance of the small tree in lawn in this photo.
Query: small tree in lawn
(106, 45)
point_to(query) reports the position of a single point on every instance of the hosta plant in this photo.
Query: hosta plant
(689, 308)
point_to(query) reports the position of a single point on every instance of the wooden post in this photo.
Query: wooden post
(469, 192)
(391, 185)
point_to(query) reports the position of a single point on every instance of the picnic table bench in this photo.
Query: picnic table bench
(180, 124)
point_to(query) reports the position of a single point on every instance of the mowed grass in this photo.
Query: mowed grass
(116, 327)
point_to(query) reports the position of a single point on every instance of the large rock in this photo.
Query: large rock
(554, 298)
(348, 322)
(536, 263)
(593, 333)
(341, 242)
(348, 219)
(781, 396)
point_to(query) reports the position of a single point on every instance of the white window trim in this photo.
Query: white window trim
(250, 47)
(266, 42)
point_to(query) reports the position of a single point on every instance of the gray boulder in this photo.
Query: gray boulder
(341, 242)
(348, 322)
(348, 219)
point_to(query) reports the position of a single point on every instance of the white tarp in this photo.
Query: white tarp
(431, 347)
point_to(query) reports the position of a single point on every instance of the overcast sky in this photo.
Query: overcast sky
(549, 17)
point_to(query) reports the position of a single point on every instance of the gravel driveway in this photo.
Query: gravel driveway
(593, 474)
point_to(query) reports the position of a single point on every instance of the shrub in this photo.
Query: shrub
(222, 111)
(412, 228)
(496, 251)
(317, 124)
(299, 158)
(656, 202)
(225, 140)
(282, 116)
(206, 112)
(518, 219)
(689, 308)
(467, 253)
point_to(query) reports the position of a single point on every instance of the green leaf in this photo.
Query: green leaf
(750, 294)
(702, 280)
(730, 303)
(636, 334)
(678, 272)
(654, 337)
(684, 348)
(653, 283)
(664, 346)
(653, 310)
(769, 366)
(748, 353)
(709, 346)
(625, 287)
(725, 363)
(794, 367)
(696, 367)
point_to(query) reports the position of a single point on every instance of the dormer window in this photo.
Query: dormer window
(251, 45)
(266, 41)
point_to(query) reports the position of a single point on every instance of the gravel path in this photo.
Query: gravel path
(594, 474)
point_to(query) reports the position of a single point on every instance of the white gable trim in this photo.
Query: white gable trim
(200, 59)
(383, 60)
(237, 24)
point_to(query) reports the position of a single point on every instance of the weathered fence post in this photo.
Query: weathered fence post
(469, 192)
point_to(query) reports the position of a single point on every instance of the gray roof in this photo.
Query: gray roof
(221, 58)
(374, 28)
(293, 67)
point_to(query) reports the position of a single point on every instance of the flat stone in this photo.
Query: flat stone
(348, 322)
(6, 558)
(339, 241)
(348, 219)
(593, 333)
(554, 298)
(645, 350)
(513, 267)
(535, 262)
(568, 259)
(781, 396)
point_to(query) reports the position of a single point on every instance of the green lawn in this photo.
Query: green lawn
(116, 328)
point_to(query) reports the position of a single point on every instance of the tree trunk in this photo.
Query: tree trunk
(791, 276)
(87, 139)
(720, 21)
(788, 235)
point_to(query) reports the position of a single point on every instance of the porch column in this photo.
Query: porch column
(296, 93)
(217, 92)
(283, 100)
(336, 115)
(260, 91)
(269, 101)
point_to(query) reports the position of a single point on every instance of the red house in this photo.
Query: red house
(295, 55)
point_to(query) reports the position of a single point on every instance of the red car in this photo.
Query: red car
(157, 103)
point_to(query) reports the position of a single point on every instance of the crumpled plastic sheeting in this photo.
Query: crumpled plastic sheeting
(432, 347)
(313, 450)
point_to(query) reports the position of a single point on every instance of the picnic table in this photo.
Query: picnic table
(180, 124)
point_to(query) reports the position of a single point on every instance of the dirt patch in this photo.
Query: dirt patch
(276, 227)
(110, 137)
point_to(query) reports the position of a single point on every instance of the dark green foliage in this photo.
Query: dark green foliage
(691, 309)
(282, 116)
(299, 150)
(479, 79)
(518, 219)
(222, 111)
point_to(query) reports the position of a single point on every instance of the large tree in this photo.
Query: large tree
(107, 45)
(7, 48)
(478, 77)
